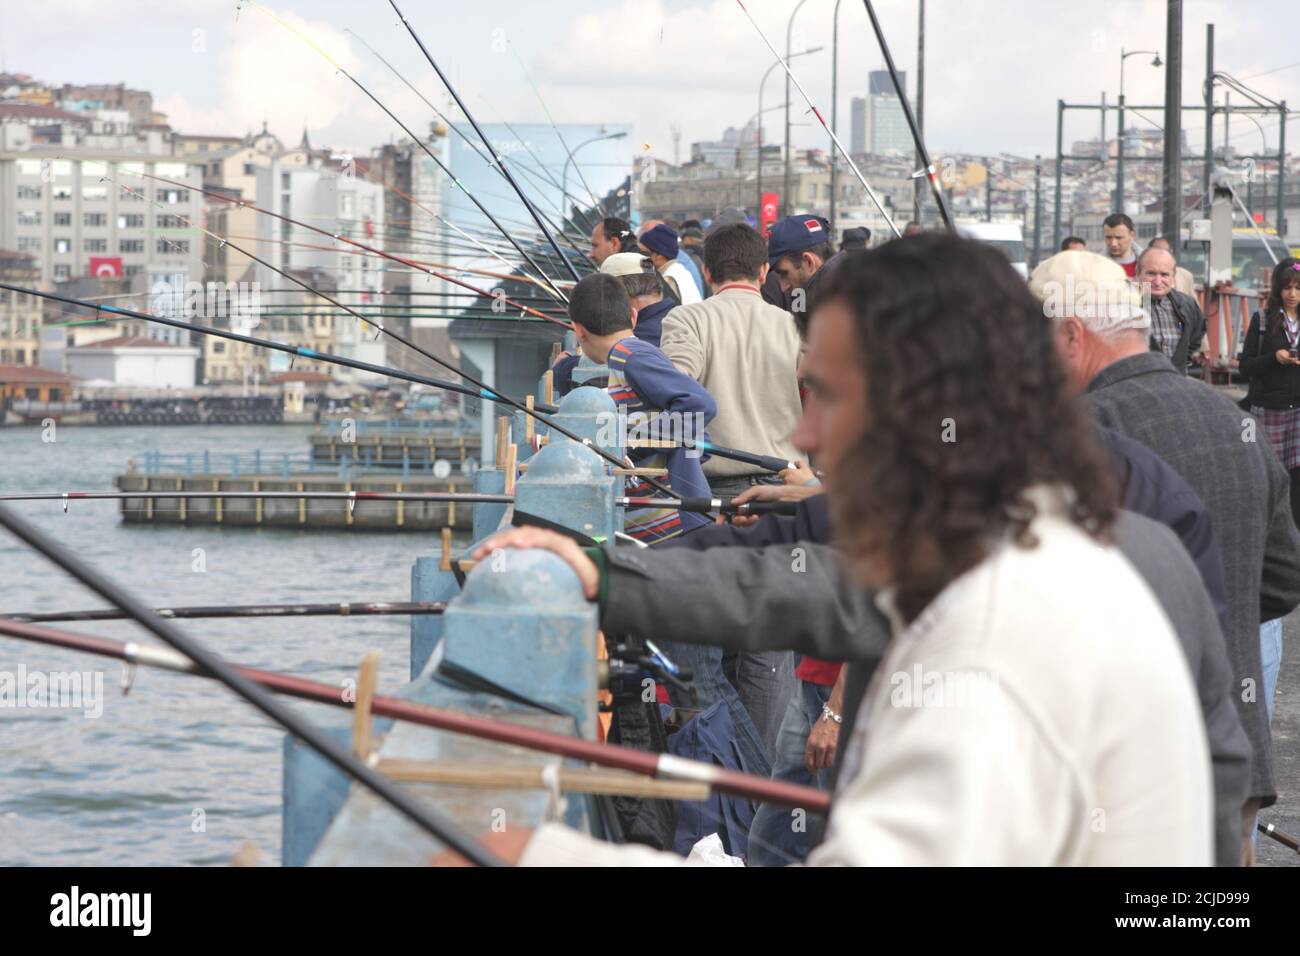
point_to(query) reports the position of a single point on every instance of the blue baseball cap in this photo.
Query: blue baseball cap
(795, 234)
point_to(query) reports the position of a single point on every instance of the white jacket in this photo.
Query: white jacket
(683, 282)
(1038, 713)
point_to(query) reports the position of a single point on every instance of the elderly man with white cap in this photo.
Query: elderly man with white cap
(643, 285)
(1103, 336)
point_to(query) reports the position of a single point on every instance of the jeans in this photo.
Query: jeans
(731, 485)
(778, 836)
(711, 685)
(765, 682)
(1270, 656)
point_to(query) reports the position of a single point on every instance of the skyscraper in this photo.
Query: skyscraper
(883, 122)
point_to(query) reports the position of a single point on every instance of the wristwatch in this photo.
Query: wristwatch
(828, 714)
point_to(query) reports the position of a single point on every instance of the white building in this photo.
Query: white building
(332, 198)
(133, 360)
(82, 213)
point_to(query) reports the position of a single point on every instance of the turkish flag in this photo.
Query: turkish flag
(370, 228)
(106, 267)
(767, 215)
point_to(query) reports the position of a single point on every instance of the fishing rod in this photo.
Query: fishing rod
(345, 609)
(192, 656)
(702, 505)
(481, 391)
(721, 780)
(496, 157)
(308, 353)
(1283, 838)
(450, 125)
(416, 265)
(519, 406)
(337, 236)
(816, 112)
(928, 167)
(299, 282)
(413, 293)
(419, 142)
(766, 462)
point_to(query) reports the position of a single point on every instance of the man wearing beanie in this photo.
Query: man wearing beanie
(660, 243)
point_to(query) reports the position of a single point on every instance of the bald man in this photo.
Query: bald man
(1177, 324)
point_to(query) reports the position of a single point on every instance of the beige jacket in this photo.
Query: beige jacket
(745, 353)
(1039, 713)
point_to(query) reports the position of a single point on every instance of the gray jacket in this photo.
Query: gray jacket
(1227, 460)
(798, 597)
(1191, 329)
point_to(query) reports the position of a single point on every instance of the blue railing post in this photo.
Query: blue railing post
(234, 466)
(406, 465)
(257, 461)
(207, 465)
(189, 464)
(286, 466)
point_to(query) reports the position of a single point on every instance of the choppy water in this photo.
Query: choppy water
(179, 771)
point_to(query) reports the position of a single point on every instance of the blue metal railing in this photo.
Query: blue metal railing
(285, 465)
(402, 426)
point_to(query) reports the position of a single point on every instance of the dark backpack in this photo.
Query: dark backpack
(710, 738)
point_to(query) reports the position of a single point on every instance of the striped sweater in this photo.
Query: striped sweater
(660, 402)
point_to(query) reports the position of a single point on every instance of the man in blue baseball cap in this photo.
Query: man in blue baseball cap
(798, 247)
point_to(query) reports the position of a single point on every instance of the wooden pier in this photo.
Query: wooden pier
(315, 514)
(392, 447)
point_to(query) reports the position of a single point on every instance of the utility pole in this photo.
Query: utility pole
(988, 193)
(1209, 120)
(1281, 171)
(918, 188)
(1038, 208)
(1060, 129)
(1173, 179)
(835, 111)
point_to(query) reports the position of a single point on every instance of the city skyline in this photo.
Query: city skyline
(690, 62)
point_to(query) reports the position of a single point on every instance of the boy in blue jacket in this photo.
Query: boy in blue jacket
(659, 402)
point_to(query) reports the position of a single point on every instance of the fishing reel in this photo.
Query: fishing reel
(625, 672)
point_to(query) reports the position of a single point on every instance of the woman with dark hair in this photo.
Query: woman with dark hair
(1271, 360)
(1034, 706)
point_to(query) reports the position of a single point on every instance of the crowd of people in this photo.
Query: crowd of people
(1027, 610)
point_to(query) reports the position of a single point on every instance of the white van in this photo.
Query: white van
(1007, 237)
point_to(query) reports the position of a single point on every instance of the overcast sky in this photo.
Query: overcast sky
(995, 68)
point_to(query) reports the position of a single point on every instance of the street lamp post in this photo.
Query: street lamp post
(564, 175)
(1119, 149)
(835, 108)
(758, 203)
(789, 40)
